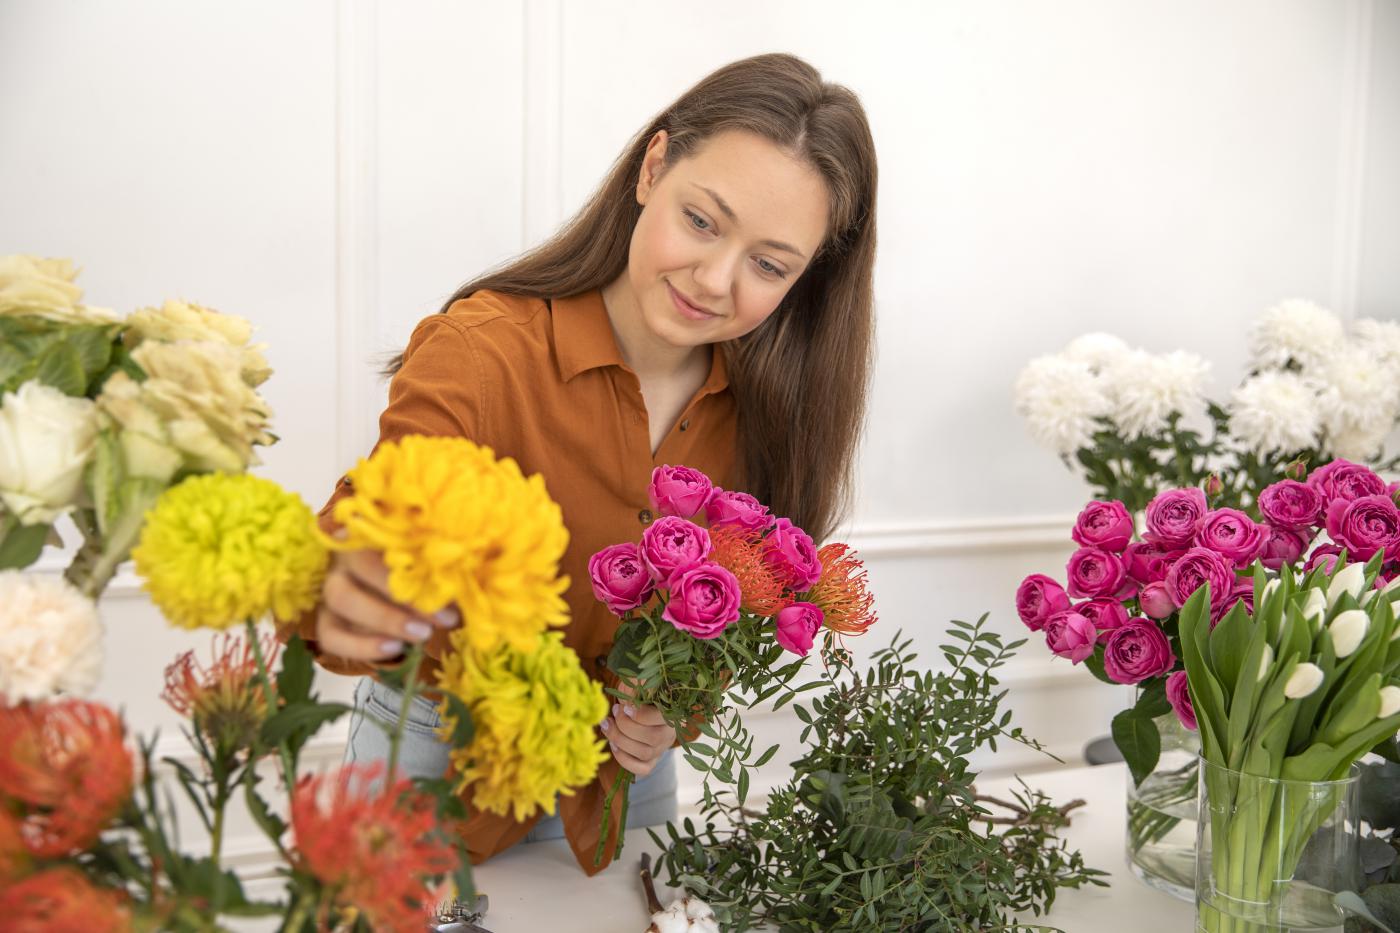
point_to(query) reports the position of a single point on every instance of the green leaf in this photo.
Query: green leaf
(60, 366)
(1152, 699)
(294, 678)
(1094, 665)
(1139, 741)
(464, 727)
(22, 545)
(306, 716)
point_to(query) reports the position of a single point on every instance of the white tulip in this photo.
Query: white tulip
(1305, 679)
(1390, 702)
(1269, 589)
(1314, 604)
(1392, 587)
(1350, 579)
(46, 438)
(1347, 630)
(1266, 661)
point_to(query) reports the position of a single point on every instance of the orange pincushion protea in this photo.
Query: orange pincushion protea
(62, 899)
(14, 857)
(67, 768)
(841, 592)
(223, 699)
(373, 849)
(761, 592)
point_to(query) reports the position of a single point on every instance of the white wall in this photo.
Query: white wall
(332, 169)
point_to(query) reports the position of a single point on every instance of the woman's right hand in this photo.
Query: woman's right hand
(359, 620)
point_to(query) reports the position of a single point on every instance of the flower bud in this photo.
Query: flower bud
(1390, 702)
(1297, 469)
(1305, 679)
(1266, 661)
(1350, 579)
(1213, 486)
(1314, 605)
(1347, 631)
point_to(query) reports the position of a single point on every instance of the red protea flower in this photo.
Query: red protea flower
(14, 857)
(841, 592)
(225, 702)
(65, 770)
(62, 900)
(374, 849)
(760, 590)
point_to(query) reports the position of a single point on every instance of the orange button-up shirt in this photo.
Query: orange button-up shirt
(544, 383)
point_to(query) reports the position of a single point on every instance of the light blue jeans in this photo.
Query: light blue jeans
(651, 800)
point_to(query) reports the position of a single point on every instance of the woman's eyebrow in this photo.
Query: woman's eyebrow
(733, 218)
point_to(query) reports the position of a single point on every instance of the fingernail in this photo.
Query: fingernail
(607, 724)
(630, 710)
(391, 647)
(418, 631)
(447, 618)
(617, 711)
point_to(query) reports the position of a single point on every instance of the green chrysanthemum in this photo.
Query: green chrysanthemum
(219, 549)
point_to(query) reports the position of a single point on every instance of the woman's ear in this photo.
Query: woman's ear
(653, 161)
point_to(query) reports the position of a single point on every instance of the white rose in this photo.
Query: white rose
(36, 287)
(50, 638)
(177, 321)
(46, 438)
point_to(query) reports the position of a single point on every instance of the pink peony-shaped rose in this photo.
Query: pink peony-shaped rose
(1106, 615)
(792, 555)
(1105, 525)
(679, 490)
(1196, 567)
(797, 625)
(1155, 601)
(1148, 562)
(1038, 598)
(673, 544)
(1291, 505)
(1364, 526)
(1342, 479)
(1174, 516)
(737, 510)
(1233, 535)
(1136, 652)
(704, 601)
(1095, 572)
(620, 577)
(1243, 592)
(1179, 696)
(1284, 546)
(1070, 635)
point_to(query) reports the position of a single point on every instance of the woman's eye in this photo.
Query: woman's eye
(769, 269)
(696, 221)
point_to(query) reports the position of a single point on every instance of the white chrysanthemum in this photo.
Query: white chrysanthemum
(50, 638)
(1295, 330)
(1382, 339)
(1145, 389)
(1357, 444)
(1360, 399)
(1275, 411)
(1098, 351)
(1060, 399)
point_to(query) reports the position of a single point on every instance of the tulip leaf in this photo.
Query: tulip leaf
(1362, 906)
(1229, 644)
(1138, 739)
(21, 546)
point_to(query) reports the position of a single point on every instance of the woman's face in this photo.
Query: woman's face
(722, 236)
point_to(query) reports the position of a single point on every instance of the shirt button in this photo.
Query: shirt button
(685, 425)
(644, 516)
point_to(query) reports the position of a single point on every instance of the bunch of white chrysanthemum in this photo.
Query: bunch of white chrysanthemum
(1060, 399)
(50, 638)
(1360, 401)
(1294, 332)
(1276, 410)
(1146, 389)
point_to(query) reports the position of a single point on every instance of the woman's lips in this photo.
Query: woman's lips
(686, 308)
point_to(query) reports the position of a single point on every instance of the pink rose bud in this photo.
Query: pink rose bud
(673, 544)
(1290, 504)
(1342, 479)
(1038, 598)
(1105, 525)
(1136, 652)
(1070, 635)
(1233, 535)
(1096, 572)
(1364, 526)
(1174, 516)
(1179, 696)
(1155, 601)
(797, 625)
(737, 510)
(620, 577)
(678, 490)
(1297, 470)
(704, 601)
(792, 555)
(1213, 486)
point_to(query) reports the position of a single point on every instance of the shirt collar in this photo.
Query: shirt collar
(583, 340)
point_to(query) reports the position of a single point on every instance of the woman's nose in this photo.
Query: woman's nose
(714, 275)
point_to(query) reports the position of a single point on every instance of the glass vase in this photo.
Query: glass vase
(1161, 830)
(1273, 853)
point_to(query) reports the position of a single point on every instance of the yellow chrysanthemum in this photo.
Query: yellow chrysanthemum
(218, 549)
(456, 525)
(535, 714)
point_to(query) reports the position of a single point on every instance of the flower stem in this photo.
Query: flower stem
(410, 687)
(289, 771)
(621, 782)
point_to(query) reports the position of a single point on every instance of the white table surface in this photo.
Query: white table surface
(540, 887)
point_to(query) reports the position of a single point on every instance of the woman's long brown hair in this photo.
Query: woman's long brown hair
(799, 379)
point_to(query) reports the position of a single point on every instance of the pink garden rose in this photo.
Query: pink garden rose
(620, 577)
(1324, 555)
(1070, 635)
(673, 544)
(704, 601)
(1180, 698)
(737, 510)
(1284, 546)
(679, 490)
(1105, 614)
(1196, 567)
(1136, 652)
(1364, 526)
(1233, 535)
(1291, 505)
(1105, 525)
(1148, 562)
(1096, 572)
(1174, 516)
(792, 555)
(1038, 598)
(797, 626)
(1243, 592)
(1156, 602)
(1342, 479)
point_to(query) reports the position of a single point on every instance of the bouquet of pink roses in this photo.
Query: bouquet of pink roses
(708, 612)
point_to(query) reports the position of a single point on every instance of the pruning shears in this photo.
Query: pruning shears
(460, 917)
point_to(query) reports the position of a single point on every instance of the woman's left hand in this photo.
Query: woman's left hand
(637, 734)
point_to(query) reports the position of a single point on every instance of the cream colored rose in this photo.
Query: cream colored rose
(194, 409)
(182, 320)
(44, 288)
(46, 438)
